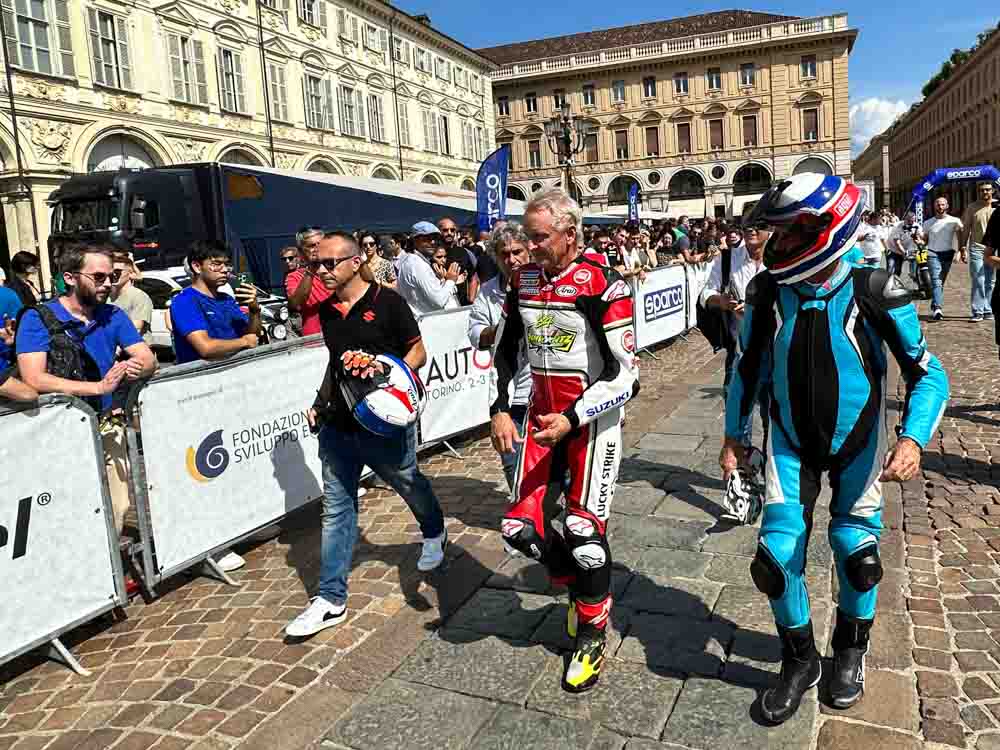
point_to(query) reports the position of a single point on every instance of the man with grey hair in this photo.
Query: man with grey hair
(573, 317)
(508, 247)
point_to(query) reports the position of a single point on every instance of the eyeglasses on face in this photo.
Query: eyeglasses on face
(288, 258)
(371, 243)
(100, 278)
(219, 265)
(331, 263)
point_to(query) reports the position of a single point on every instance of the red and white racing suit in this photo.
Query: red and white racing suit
(580, 343)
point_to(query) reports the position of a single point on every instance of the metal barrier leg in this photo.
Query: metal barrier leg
(650, 353)
(453, 452)
(147, 586)
(211, 569)
(56, 651)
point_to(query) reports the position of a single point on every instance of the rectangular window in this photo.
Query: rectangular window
(621, 144)
(534, 154)
(422, 59)
(748, 74)
(445, 133)
(808, 66)
(400, 50)
(715, 139)
(503, 106)
(684, 137)
(810, 125)
(749, 130)
(461, 77)
(315, 102)
(589, 97)
(38, 36)
(442, 69)
(313, 12)
(649, 87)
(590, 146)
(652, 141)
(430, 130)
(476, 83)
(559, 99)
(347, 26)
(404, 123)
(109, 47)
(530, 103)
(373, 39)
(352, 112)
(231, 91)
(681, 84)
(618, 92)
(713, 79)
(278, 91)
(467, 135)
(187, 69)
(376, 119)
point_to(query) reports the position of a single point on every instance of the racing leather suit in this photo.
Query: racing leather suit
(822, 349)
(580, 344)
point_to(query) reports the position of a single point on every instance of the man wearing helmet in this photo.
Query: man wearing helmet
(817, 329)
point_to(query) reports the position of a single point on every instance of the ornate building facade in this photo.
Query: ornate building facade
(702, 112)
(355, 88)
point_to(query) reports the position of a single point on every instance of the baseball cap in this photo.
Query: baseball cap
(424, 228)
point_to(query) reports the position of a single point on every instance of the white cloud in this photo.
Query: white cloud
(870, 117)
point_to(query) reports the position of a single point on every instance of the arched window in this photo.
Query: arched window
(119, 152)
(468, 184)
(431, 179)
(686, 184)
(750, 179)
(383, 173)
(240, 156)
(515, 193)
(812, 164)
(321, 165)
(618, 189)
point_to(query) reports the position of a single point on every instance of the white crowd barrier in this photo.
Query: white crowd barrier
(59, 558)
(697, 277)
(660, 306)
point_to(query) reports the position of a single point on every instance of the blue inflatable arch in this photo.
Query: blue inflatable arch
(983, 173)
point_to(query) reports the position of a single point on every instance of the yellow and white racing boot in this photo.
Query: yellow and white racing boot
(584, 667)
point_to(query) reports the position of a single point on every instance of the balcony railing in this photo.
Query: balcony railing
(678, 46)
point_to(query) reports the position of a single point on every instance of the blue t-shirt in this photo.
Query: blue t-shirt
(220, 317)
(101, 338)
(10, 306)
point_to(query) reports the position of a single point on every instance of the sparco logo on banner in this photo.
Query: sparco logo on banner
(662, 303)
(964, 174)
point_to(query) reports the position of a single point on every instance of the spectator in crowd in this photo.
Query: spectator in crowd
(398, 244)
(666, 253)
(602, 244)
(130, 298)
(10, 306)
(24, 278)
(418, 283)
(374, 320)
(903, 242)
(943, 232)
(71, 345)
(974, 222)
(306, 293)
(991, 257)
(509, 246)
(872, 239)
(382, 271)
(469, 281)
(290, 259)
(11, 387)
(486, 266)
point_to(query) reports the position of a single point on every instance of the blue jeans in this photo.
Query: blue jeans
(982, 281)
(939, 265)
(509, 460)
(394, 461)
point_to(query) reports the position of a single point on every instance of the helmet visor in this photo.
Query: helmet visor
(790, 242)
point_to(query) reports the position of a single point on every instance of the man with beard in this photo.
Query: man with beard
(71, 345)
(466, 261)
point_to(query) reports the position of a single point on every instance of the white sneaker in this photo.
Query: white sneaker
(362, 492)
(229, 561)
(432, 554)
(937, 314)
(320, 614)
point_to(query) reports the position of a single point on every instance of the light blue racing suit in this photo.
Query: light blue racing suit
(823, 351)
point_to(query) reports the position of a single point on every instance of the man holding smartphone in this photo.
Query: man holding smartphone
(306, 293)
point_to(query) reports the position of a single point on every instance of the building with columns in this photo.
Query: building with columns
(702, 112)
(355, 87)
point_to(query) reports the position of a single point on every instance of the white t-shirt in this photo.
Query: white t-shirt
(872, 247)
(941, 233)
(902, 232)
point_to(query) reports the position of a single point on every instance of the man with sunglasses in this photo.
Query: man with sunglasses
(290, 259)
(818, 331)
(466, 261)
(73, 345)
(974, 223)
(130, 298)
(306, 293)
(418, 283)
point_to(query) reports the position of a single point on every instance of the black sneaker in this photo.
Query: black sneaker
(850, 644)
(801, 670)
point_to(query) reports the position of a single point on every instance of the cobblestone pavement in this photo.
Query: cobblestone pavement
(470, 657)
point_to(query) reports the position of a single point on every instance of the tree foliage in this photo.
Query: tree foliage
(958, 57)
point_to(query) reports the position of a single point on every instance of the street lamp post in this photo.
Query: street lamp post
(566, 135)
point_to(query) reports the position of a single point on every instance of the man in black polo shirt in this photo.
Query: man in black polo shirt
(466, 261)
(361, 317)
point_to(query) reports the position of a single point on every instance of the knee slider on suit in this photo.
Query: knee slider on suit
(586, 542)
(520, 534)
(864, 568)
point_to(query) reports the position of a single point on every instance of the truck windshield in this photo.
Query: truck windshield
(86, 216)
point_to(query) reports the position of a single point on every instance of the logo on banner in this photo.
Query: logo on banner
(21, 523)
(963, 174)
(546, 336)
(663, 303)
(210, 460)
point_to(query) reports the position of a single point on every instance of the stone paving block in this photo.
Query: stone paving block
(657, 532)
(471, 663)
(738, 540)
(636, 501)
(630, 698)
(655, 442)
(676, 644)
(513, 614)
(744, 607)
(890, 701)
(681, 423)
(517, 729)
(521, 574)
(754, 659)
(890, 630)
(403, 715)
(673, 563)
(842, 735)
(672, 596)
(636, 471)
(710, 714)
(691, 505)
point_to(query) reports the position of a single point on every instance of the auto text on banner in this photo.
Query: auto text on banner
(659, 306)
(57, 547)
(228, 449)
(456, 376)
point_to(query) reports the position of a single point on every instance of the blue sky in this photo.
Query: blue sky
(899, 46)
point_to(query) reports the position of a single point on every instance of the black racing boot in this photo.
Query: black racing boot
(850, 644)
(801, 669)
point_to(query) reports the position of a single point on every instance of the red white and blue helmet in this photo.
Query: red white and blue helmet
(823, 212)
(389, 401)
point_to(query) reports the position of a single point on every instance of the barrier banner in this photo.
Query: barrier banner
(456, 376)
(227, 448)
(697, 277)
(660, 303)
(59, 559)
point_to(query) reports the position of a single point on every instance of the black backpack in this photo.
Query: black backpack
(715, 325)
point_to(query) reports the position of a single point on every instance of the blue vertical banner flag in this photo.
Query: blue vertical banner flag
(633, 202)
(491, 188)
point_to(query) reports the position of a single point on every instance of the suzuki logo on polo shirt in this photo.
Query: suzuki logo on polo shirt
(369, 316)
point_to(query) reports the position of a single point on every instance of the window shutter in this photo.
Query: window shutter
(329, 105)
(354, 28)
(404, 122)
(283, 6)
(11, 26)
(305, 101)
(341, 22)
(220, 76)
(360, 99)
(95, 44)
(176, 66)
(63, 37)
(383, 37)
(124, 61)
(241, 104)
(425, 116)
(199, 71)
(302, 9)
(322, 15)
